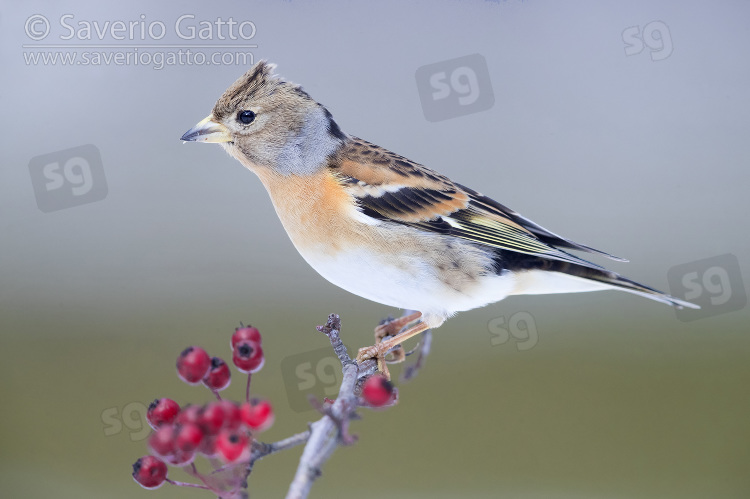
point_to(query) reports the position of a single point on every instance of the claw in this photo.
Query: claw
(374, 352)
(380, 350)
(397, 355)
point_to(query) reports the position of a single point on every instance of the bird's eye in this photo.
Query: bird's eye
(246, 117)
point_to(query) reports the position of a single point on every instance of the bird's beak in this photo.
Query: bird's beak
(207, 130)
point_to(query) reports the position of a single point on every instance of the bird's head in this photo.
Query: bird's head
(266, 122)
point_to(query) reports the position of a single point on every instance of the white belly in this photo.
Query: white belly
(405, 281)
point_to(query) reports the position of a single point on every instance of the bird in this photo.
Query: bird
(386, 228)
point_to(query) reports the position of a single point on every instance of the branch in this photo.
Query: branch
(228, 479)
(331, 430)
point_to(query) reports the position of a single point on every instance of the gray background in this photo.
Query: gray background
(645, 159)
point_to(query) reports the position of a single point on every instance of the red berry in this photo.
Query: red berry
(161, 442)
(248, 356)
(188, 437)
(193, 364)
(247, 333)
(257, 414)
(180, 458)
(189, 414)
(218, 376)
(377, 390)
(162, 411)
(212, 418)
(208, 446)
(232, 414)
(149, 472)
(233, 445)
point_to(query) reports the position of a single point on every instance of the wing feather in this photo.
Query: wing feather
(390, 187)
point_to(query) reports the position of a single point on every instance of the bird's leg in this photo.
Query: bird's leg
(379, 350)
(391, 328)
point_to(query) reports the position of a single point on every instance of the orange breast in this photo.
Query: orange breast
(314, 209)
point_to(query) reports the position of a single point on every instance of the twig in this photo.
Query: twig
(187, 484)
(330, 431)
(332, 328)
(262, 449)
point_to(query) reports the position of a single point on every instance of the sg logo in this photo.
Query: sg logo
(317, 373)
(132, 416)
(655, 36)
(463, 81)
(68, 178)
(455, 87)
(713, 283)
(521, 327)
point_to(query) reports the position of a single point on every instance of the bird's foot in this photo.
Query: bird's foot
(374, 352)
(380, 350)
(390, 328)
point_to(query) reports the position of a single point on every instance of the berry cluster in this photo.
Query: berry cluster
(222, 431)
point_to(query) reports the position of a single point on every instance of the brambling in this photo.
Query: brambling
(384, 227)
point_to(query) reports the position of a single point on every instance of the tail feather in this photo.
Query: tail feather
(616, 281)
(542, 276)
